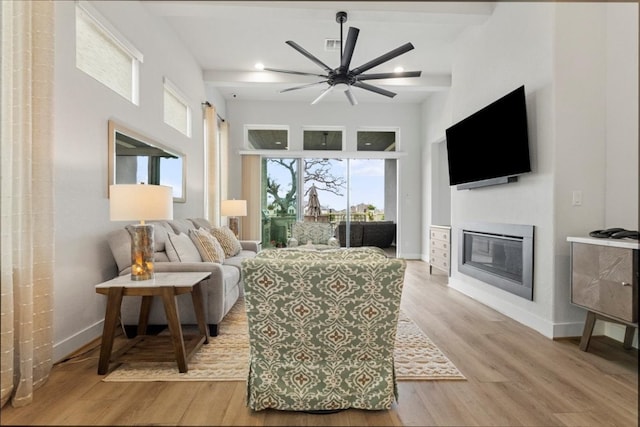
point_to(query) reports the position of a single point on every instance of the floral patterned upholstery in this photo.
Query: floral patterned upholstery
(318, 233)
(322, 327)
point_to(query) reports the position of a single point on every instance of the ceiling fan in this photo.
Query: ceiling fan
(342, 76)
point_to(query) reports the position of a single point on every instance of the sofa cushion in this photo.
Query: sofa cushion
(181, 226)
(180, 248)
(120, 245)
(236, 261)
(160, 235)
(207, 245)
(201, 223)
(227, 239)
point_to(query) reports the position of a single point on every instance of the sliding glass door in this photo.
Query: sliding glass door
(334, 191)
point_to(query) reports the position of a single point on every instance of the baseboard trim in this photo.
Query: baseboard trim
(542, 326)
(68, 346)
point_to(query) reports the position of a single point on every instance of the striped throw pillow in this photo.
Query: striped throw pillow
(208, 246)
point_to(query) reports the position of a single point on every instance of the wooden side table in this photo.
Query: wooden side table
(167, 286)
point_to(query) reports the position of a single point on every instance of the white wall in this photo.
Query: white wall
(572, 59)
(513, 48)
(621, 190)
(82, 108)
(296, 115)
(596, 98)
(622, 177)
(436, 203)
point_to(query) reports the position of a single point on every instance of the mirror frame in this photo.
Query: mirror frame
(120, 128)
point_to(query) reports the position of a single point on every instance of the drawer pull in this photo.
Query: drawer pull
(625, 284)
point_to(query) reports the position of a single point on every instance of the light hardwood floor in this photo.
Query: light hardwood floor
(515, 377)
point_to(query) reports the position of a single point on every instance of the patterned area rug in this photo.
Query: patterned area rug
(226, 357)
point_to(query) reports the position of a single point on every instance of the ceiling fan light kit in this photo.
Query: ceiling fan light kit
(343, 78)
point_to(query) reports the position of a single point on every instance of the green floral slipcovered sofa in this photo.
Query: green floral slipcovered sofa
(322, 327)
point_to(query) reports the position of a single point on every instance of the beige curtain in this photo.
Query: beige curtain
(224, 160)
(27, 214)
(251, 228)
(212, 165)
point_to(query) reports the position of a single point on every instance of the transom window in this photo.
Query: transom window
(265, 137)
(322, 139)
(177, 112)
(105, 55)
(376, 140)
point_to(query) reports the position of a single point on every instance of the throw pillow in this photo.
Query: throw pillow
(180, 248)
(208, 246)
(228, 240)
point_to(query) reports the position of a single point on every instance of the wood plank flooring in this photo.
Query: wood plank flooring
(515, 377)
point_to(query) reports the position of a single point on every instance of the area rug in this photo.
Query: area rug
(226, 357)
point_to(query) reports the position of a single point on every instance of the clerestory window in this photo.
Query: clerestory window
(106, 55)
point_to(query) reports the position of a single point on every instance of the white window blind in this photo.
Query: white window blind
(105, 55)
(177, 112)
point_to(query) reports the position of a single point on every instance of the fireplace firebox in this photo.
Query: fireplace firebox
(498, 254)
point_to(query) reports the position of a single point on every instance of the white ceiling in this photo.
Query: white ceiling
(227, 38)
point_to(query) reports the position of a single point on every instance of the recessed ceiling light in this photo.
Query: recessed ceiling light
(259, 66)
(398, 69)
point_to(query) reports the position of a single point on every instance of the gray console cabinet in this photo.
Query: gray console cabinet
(604, 280)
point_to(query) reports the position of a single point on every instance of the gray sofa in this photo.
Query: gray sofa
(219, 293)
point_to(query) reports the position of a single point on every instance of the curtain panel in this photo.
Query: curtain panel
(252, 192)
(27, 213)
(212, 166)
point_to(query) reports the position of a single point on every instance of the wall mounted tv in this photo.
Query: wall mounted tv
(491, 146)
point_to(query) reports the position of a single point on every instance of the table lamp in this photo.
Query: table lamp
(141, 202)
(233, 209)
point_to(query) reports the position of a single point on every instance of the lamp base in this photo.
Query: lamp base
(141, 251)
(233, 224)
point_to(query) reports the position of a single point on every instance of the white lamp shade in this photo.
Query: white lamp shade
(140, 202)
(234, 208)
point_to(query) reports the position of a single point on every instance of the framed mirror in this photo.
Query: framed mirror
(135, 158)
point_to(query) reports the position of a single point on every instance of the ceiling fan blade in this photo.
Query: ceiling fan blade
(374, 89)
(300, 49)
(303, 86)
(300, 73)
(352, 99)
(322, 95)
(389, 75)
(350, 45)
(383, 58)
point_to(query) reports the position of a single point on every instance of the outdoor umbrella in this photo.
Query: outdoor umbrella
(313, 206)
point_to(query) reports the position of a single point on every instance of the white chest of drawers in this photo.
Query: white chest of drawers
(440, 248)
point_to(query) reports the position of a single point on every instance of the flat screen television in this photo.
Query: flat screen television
(491, 143)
